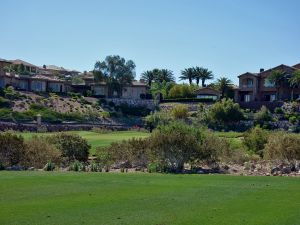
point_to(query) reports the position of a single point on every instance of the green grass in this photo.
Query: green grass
(97, 139)
(110, 198)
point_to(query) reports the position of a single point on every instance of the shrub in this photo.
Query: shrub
(278, 110)
(255, 140)
(4, 103)
(12, 148)
(95, 167)
(76, 166)
(155, 119)
(283, 146)
(175, 144)
(133, 152)
(50, 166)
(224, 112)
(181, 91)
(38, 151)
(293, 119)
(105, 114)
(72, 146)
(180, 111)
(263, 115)
(214, 148)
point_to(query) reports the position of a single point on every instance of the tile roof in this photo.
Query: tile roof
(19, 61)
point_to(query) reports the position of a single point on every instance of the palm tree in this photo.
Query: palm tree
(148, 76)
(187, 74)
(202, 74)
(223, 84)
(277, 77)
(294, 82)
(164, 75)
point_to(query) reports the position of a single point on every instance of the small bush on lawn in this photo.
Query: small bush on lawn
(283, 146)
(76, 166)
(50, 166)
(157, 119)
(38, 151)
(72, 146)
(180, 112)
(255, 140)
(11, 148)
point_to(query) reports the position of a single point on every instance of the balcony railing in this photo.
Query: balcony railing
(247, 86)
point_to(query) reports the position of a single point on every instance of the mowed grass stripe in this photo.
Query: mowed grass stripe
(97, 139)
(109, 198)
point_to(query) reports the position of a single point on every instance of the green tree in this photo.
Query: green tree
(224, 85)
(277, 77)
(188, 74)
(116, 72)
(148, 76)
(294, 82)
(202, 74)
(164, 75)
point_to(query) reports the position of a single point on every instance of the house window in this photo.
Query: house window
(249, 83)
(272, 97)
(247, 98)
(268, 83)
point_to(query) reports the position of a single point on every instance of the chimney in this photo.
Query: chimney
(261, 70)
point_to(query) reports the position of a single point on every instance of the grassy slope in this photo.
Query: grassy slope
(99, 198)
(97, 139)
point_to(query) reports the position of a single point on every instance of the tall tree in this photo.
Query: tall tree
(116, 72)
(202, 74)
(294, 82)
(148, 76)
(188, 74)
(223, 84)
(164, 75)
(277, 77)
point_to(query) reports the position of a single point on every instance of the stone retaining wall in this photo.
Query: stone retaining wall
(149, 103)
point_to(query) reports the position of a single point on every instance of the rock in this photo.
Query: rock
(268, 174)
(286, 170)
(14, 168)
(31, 168)
(275, 170)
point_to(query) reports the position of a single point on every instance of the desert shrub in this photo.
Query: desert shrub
(4, 103)
(278, 110)
(50, 166)
(104, 157)
(95, 167)
(180, 111)
(76, 166)
(175, 144)
(255, 140)
(72, 146)
(156, 119)
(263, 115)
(224, 112)
(12, 148)
(214, 148)
(283, 146)
(293, 119)
(38, 151)
(105, 114)
(134, 152)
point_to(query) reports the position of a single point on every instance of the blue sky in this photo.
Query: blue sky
(227, 36)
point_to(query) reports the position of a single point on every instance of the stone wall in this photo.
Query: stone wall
(149, 103)
(32, 127)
